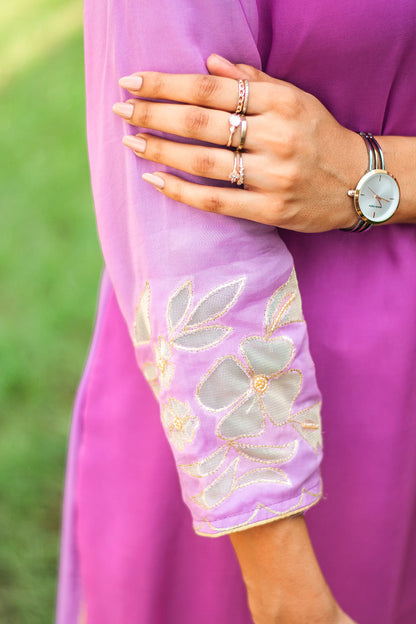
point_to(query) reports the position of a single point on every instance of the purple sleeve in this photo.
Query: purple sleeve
(212, 303)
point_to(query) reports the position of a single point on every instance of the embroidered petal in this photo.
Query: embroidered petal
(177, 439)
(279, 398)
(284, 306)
(223, 384)
(308, 424)
(202, 338)
(268, 357)
(189, 428)
(178, 306)
(246, 420)
(166, 375)
(216, 303)
(269, 454)
(219, 490)
(164, 350)
(208, 465)
(141, 328)
(271, 475)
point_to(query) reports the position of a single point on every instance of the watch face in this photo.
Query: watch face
(377, 195)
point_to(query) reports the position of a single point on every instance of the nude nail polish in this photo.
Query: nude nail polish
(123, 109)
(136, 143)
(155, 180)
(132, 83)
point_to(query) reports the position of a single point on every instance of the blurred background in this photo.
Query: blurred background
(49, 270)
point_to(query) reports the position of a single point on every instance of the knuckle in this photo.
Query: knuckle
(196, 120)
(155, 152)
(177, 191)
(203, 164)
(290, 102)
(143, 115)
(213, 203)
(289, 178)
(206, 87)
(158, 84)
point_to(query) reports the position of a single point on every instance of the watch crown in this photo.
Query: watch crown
(351, 193)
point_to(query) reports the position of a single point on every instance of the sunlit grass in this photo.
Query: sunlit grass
(49, 268)
(32, 29)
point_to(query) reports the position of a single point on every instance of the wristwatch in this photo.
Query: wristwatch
(377, 194)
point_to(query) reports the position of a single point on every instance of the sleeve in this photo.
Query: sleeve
(211, 302)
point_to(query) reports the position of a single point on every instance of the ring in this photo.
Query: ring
(237, 174)
(234, 122)
(242, 97)
(243, 124)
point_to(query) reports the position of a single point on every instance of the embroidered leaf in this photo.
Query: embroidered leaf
(216, 303)
(201, 338)
(208, 465)
(178, 306)
(141, 328)
(223, 384)
(284, 306)
(308, 424)
(269, 454)
(269, 475)
(219, 490)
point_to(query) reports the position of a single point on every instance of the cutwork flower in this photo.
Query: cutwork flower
(256, 390)
(180, 423)
(163, 353)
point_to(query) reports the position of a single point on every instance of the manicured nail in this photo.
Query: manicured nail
(223, 60)
(133, 83)
(155, 180)
(124, 109)
(136, 143)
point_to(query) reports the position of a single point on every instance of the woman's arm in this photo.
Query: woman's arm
(283, 579)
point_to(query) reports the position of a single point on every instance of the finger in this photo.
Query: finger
(207, 162)
(204, 90)
(191, 122)
(230, 202)
(219, 66)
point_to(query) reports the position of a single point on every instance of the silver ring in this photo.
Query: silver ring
(243, 125)
(234, 121)
(237, 174)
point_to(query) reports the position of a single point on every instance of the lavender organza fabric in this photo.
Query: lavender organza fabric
(212, 308)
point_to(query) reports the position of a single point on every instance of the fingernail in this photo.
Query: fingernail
(133, 83)
(223, 60)
(136, 143)
(123, 109)
(155, 180)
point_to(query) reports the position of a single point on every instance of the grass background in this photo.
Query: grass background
(49, 270)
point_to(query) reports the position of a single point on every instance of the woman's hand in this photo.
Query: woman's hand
(299, 161)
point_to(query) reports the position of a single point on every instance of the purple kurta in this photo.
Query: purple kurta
(208, 307)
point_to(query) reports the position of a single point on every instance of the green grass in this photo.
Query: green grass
(49, 269)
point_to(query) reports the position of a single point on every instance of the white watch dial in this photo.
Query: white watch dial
(377, 195)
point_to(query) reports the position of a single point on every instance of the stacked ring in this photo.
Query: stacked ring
(236, 120)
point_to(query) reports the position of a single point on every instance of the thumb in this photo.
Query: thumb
(219, 66)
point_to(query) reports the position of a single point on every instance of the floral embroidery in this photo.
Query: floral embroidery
(257, 388)
(188, 329)
(180, 423)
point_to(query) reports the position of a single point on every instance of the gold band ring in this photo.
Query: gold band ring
(243, 126)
